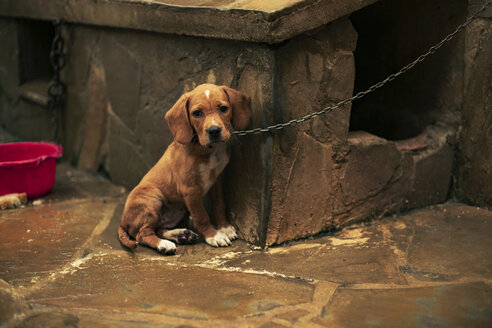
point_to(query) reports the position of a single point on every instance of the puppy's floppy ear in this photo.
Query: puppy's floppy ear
(179, 122)
(241, 108)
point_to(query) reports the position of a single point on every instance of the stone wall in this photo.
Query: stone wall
(474, 171)
(314, 71)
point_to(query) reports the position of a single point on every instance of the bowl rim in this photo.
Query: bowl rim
(57, 152)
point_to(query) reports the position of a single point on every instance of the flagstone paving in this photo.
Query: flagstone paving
(61, 265)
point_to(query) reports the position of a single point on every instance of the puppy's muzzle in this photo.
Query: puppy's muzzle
(214, 133)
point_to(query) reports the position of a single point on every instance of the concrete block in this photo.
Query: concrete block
(432, 180)
(474, 174)
(95, 127)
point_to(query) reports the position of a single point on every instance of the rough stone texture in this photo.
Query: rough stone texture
(433, 164)
(474, 174)
(375, 180)
(430, 267)
(327, 64)
(365, 176)
(432, 176)
(251, 20)
(247, 176)
(95, 129)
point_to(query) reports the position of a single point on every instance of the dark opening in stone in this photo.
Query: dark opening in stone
(35, 38)
(392, 34)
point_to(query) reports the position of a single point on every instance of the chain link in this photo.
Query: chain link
(56, 88)
(376, 86)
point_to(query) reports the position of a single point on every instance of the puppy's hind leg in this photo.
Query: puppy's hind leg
(148, 238)
(141, 215)
(180, 236)
(171, 222)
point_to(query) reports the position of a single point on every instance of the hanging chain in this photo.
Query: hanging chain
(56, 88)
(376, 86)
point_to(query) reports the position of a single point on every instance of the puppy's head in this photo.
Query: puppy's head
(208, 111)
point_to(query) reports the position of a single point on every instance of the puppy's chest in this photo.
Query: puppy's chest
(210, 170)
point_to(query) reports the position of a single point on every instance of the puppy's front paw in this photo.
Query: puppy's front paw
(229, 231)
(166, 247)
(220, 239)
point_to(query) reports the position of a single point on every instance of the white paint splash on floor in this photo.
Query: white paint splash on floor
(349, 237)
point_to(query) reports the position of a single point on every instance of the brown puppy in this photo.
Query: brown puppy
(190, 168)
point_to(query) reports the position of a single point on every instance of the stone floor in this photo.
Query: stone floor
(61, 266)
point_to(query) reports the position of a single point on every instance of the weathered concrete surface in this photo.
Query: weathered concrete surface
(169, 290)
(428, 267)
(474, 174)
(465, 305)
(251, 20)
(95, 133)
(25, 234)
(325, 77)
(76, 207)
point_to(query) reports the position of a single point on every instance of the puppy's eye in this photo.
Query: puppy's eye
(197, 113)
(223, 109)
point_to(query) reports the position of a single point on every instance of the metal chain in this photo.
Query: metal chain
(56, 88)
(376, 86)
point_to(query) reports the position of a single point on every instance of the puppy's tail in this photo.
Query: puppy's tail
(125, 239)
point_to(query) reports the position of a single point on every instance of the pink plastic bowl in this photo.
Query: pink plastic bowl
(28, 167)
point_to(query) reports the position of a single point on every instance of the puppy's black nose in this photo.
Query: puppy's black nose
(214, 131)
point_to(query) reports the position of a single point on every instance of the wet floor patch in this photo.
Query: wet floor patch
(466, 305)
(138, 285)
(39, 240)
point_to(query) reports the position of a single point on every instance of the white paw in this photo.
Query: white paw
(220, 239)
(166, 247)
(229, 231)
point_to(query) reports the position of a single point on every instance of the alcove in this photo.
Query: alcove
(35, 71)
(392, 34)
